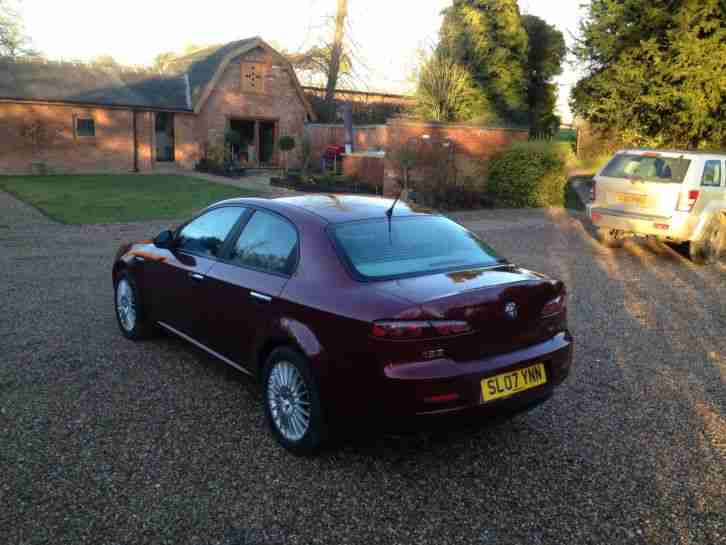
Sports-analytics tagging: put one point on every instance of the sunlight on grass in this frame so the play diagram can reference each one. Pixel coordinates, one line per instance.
(89, 199)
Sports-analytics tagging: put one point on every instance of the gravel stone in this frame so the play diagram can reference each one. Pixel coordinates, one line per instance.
(105, 441)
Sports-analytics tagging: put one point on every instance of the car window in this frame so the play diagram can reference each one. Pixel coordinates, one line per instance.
(711, 173)
(647, 168)
(268, 242)
(206, 234)
(411, 246)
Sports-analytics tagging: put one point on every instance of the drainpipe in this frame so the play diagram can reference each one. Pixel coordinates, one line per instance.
(136, 142)
(348, 124)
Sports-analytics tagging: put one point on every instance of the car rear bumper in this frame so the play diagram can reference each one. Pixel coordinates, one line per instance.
(679, 227)
(425, 392)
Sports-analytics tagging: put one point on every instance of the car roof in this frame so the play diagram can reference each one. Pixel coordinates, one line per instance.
(674, 152)
(337, 208)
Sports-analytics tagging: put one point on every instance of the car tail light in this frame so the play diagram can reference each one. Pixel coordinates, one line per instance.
(555, 306)
(417, 329)
(686, 204)
(593, 192)
(399, 330)
(451, 328)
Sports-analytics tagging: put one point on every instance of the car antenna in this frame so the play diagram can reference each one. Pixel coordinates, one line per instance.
(389, 214)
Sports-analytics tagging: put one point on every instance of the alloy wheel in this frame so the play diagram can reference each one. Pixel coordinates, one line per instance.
(288, 399)
(125, 305)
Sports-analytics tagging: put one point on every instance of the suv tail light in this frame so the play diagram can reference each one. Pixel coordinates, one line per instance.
(417, 329)
(593, 191)
(686, 204)
(555, 306)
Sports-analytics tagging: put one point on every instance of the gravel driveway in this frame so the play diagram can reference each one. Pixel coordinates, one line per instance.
(105, 441)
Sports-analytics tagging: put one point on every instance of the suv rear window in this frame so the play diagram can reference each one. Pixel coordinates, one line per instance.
(647, 168)
(413, 246)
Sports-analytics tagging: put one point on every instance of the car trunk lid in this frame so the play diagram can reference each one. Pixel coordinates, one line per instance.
(502, 306)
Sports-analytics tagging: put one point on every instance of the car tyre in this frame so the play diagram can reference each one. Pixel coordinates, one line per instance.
(610, 237)
(130, 312)
(710, 247)
(292, 402)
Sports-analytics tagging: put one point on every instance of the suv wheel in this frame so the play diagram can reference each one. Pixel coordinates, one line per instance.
(292, 402)
(710, 247)
(610, 237)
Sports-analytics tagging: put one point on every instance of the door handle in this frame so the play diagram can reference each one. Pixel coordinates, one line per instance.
(196, 276)
(260, 296)
(139, 258)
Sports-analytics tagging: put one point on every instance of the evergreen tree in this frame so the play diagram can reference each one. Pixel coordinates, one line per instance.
(656, 71)
(546, 53)
(488, 39)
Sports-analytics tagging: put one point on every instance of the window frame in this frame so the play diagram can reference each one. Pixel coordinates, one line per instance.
(720, 172)
(244, 215)
(227, 253)
(76, 133)
(357, 276)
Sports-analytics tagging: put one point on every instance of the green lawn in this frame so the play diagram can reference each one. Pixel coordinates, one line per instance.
(85, 199)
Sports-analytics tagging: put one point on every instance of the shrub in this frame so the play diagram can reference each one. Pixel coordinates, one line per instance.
(529, 174)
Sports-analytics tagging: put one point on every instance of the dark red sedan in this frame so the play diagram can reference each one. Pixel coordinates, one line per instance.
(350, 308)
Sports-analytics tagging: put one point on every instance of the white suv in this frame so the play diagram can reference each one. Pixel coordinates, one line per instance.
(675, 196)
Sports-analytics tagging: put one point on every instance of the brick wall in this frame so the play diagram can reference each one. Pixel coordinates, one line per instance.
(366, 137)
(279, 102)
(60, 150)
(472, 145)
(187, 149)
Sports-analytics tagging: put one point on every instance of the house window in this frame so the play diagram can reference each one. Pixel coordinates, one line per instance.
(253, 77)
(85, 127)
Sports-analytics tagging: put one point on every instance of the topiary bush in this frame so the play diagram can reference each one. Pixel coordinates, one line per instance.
(529, 174)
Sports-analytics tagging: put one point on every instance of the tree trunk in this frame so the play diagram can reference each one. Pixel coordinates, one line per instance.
(337, 51)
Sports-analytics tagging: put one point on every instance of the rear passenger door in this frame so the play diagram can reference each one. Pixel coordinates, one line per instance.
(243, 288)
(711, 182)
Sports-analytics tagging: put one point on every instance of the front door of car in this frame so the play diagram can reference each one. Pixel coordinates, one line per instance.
(178, 280)
(243, 289)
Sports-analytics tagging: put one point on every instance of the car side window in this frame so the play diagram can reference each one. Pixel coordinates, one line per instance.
(206, 234)
(712, 174)
(269, 243)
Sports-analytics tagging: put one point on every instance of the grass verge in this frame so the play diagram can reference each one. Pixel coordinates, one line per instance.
(107, 198)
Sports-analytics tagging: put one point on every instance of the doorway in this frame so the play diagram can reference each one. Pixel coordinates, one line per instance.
(267, 143)
(164, 133)
(253, 142)
(244, 145)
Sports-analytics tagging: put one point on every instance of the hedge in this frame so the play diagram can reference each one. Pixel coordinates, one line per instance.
(529, 174)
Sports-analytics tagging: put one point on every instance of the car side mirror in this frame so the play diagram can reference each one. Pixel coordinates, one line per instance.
(165, 240)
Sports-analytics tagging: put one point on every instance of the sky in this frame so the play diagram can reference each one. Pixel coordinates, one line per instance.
(387, 33)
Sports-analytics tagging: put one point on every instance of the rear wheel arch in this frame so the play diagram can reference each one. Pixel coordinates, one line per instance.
(718, 213)
(709, 244)
(284, 339)
(118, 268)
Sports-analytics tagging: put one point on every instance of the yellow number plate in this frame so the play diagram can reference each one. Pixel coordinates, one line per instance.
(632, 198)
(511, 383)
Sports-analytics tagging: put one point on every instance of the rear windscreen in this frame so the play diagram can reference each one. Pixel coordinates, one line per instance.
(410, 246)
(647, 168)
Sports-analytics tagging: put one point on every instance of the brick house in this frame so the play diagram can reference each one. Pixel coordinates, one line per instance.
(65, 117)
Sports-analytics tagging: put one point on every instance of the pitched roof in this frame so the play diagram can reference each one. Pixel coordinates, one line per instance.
(91, 84)
(185, 87)
(202, 65)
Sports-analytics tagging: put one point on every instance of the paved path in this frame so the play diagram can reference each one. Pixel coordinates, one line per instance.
(105, 441)
(259, 183)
